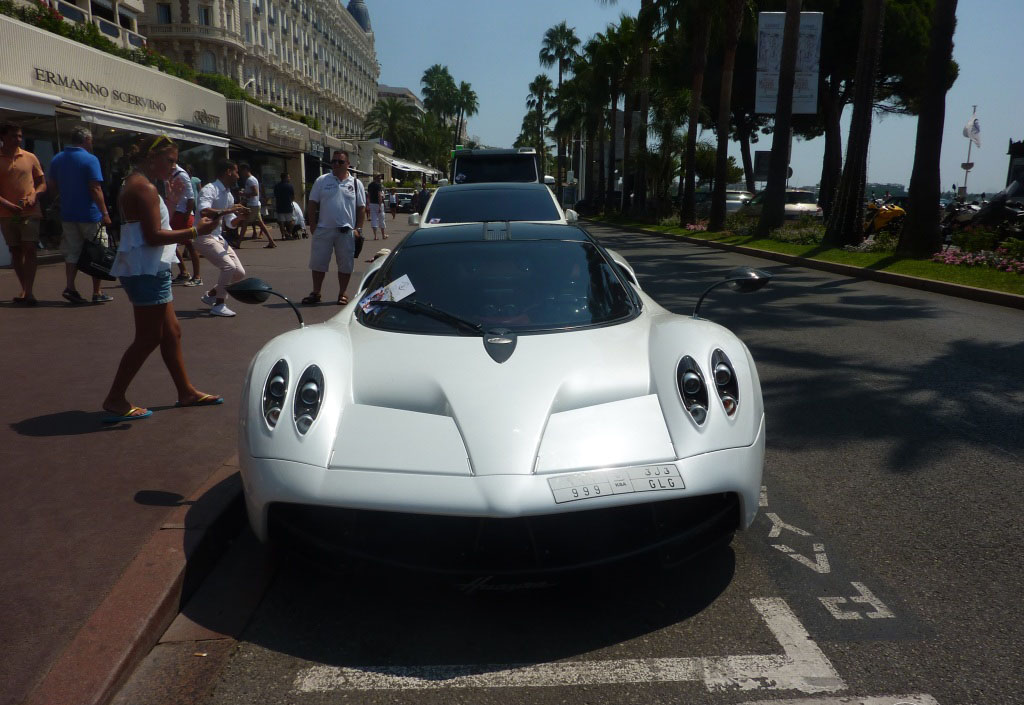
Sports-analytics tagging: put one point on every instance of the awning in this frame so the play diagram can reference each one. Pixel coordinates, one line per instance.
(407, 166)
(151, 127)
(23, 100)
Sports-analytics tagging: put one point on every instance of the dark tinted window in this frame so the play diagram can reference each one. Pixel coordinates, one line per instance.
(520, 168)
(474, 205)
(528, 286)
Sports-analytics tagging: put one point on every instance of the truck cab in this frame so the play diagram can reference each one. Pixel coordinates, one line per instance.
(475, 166)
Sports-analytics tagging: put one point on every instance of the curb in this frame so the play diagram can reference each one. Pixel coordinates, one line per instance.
(988, 296)
(147, 597)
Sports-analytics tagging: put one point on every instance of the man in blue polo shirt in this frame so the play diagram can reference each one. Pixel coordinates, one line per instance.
(76, 174)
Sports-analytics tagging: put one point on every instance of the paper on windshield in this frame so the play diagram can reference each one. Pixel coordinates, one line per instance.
(395, 291)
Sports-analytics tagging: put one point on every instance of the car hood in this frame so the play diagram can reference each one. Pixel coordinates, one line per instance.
(514, 417)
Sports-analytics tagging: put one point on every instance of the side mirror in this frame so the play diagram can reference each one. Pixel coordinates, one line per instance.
(414, 219)
(257, 291)
(743, 279)
(571, 216)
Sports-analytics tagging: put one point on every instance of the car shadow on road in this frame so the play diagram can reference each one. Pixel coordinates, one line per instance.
(415, 621)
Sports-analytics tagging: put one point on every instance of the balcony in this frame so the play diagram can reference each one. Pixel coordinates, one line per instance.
(195, 31)
(126, 38)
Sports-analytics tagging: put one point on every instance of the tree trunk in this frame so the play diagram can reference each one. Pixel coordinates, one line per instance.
(627, 152)
(733, 24)
(773, 210)
(560, 167)
(846, 222)
(609, 200)
(591, 175)
(601, 173)
(832, 164)
(701, 38)
(640, 203)
(743, 137)
(920, 236)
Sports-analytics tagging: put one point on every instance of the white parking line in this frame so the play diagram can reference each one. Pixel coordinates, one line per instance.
(802, 666)
(921, 699)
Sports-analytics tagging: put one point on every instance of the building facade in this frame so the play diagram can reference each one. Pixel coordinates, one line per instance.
(313, 57)
(400, 93)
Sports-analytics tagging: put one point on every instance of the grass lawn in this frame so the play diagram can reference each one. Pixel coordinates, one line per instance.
(981, 277)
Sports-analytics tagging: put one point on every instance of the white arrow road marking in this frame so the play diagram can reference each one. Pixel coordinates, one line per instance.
(820, 563)
(762, 501)
(802, 666)
(921, 699)
(778, 525)
(866, 597)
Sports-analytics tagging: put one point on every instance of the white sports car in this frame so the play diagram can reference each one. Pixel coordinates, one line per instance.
(502, 398)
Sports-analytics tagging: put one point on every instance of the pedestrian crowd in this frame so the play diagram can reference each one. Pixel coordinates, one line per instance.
(160, 217)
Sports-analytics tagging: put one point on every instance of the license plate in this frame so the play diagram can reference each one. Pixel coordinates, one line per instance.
(602, 483)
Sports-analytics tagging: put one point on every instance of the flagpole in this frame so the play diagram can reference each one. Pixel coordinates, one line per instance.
(970, 143)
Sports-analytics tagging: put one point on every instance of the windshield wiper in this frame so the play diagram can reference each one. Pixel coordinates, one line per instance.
(434, 312)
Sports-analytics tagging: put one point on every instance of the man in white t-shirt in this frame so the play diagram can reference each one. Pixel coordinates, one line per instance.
(251, 198)
(215, 200)
(182, 216)
(336, 211)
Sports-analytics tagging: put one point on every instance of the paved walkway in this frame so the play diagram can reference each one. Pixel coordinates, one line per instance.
(80, 497)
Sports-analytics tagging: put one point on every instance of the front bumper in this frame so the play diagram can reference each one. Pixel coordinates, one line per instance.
(266, 481)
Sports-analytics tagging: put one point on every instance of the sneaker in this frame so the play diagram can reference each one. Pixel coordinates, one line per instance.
(101, 298)
(197, 281)
(222, 310)
(72, 296)
(208, 300)
(180, 279)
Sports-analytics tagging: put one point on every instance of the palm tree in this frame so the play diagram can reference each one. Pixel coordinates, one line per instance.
(468, 106)
(845, 225)
(439, 91)
(700, 38)
(920, 236)
(538, 102)
(559, 47)
(734, 10)
(392, 119)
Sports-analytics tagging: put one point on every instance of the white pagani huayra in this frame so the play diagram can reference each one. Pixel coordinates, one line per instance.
(502, 399)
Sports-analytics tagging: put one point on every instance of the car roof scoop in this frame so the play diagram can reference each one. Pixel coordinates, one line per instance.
(499, 343)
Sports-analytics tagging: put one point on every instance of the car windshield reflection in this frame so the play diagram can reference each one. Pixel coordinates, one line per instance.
(525, 286)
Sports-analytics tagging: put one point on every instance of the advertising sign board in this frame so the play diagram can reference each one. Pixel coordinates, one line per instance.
(769, 54)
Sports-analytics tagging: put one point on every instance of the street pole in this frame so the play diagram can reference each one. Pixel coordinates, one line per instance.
(970, 143)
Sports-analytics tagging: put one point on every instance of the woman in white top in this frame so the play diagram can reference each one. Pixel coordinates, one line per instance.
(143, 264)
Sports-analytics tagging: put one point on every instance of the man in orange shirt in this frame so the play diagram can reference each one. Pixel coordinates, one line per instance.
(21, 182)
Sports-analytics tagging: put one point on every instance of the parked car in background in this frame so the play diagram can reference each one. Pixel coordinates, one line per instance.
(799, 204)
(404, 202)
(493, 202)
(734, 200)
(476, 166)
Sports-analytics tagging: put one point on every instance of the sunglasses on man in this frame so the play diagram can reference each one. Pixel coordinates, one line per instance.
(338, 161)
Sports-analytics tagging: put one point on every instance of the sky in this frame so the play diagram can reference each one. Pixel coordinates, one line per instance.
(493, 45)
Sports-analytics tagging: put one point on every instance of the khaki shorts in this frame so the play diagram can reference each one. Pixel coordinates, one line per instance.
(19, 230)
(332, 240)
(255, 215)
(72, 237)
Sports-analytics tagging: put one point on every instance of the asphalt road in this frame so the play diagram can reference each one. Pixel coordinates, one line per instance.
(80, 497)
(884, 562)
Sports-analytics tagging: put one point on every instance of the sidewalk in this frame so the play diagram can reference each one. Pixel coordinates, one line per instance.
(82, 498)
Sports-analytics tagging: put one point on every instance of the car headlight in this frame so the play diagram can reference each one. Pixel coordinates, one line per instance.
(309, 398)
(725, 382)
(692, 390)
(274, 392)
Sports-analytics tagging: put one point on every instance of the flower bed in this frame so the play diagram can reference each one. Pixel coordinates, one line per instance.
(1000, 259)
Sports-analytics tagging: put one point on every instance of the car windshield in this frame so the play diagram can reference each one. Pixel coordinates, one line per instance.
(800, 197)
(528, 286)
(457, 205)
(510, 167)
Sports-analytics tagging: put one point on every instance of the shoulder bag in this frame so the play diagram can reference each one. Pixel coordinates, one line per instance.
(96, 258)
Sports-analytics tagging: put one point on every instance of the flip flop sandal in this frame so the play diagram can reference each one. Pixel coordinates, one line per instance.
(130, 416)
(205, 400)
(311, 299)
(342, 300)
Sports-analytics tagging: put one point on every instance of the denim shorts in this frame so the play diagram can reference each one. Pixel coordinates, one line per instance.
(148, 289)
